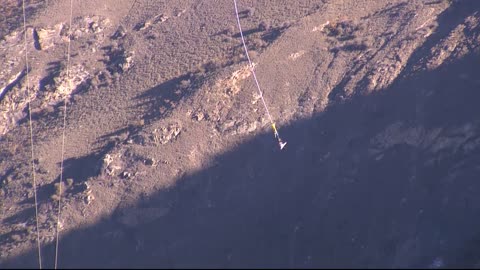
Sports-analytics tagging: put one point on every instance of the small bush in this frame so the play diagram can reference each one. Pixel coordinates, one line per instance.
(184, 84)
(59, 188)
(264, 26)
(69, 182)
(250, 11)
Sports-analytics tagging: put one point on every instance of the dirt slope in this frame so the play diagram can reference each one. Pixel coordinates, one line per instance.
(169, 152)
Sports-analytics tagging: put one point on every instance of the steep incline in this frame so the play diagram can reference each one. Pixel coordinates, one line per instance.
(171, 155)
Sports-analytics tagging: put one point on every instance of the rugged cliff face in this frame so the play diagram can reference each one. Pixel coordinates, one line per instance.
(170, 161)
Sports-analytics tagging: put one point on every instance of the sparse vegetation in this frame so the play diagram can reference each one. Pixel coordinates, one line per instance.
(171, 152)
(60, 189)
(184, 84)
(16, 237)
(343, 30)
(264, 26)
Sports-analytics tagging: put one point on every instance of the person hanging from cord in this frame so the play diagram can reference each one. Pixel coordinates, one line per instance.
(277, 136)
(281, 143)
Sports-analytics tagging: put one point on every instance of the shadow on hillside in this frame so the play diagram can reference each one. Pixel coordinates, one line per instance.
(330, 199)
(325, 201)
(160, 100)
(78, 169)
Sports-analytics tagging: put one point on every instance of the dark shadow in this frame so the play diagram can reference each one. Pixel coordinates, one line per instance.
(53, 70)
(332, 198)
(343, 31)
(469, 254)
(44, 194)
(5, 175)
(81, 169)
(433, 2)
(119, 33)
(13, 235)
(78, 169)
(271, 34)
(161, 99)
(151, 37)
(123, 135)
(245, 13)
(139, 26)
(22, 216)
(36, 40)
(117, 133)
(13, 83)
(248, 32)
(114, 59)
(350, 47)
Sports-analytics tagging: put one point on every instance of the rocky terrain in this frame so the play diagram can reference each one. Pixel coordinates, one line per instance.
(169, 157)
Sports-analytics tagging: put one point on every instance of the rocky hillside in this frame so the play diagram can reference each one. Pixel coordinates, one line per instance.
(170, 160)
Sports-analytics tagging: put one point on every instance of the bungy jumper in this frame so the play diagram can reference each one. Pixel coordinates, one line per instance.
(281, 143)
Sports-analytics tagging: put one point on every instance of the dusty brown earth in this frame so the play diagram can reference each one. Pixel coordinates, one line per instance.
(169, 157)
